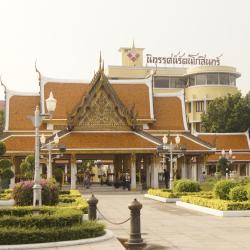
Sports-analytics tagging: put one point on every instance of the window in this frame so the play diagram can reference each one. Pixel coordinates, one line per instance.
(199, 106)
(189, 107)
(168, 82)
(224, 78)
(191, 81)
(232, 80)
(161, 82)
(201, 79)
(212, 78)
(198, 126)
(177, 82)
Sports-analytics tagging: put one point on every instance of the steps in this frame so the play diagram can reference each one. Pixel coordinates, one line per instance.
(104, 189)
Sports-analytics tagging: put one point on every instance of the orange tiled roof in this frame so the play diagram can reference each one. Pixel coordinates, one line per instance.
(135, 94)
(68, 95)
(2, 103)
(236, 157)
(20, 107)
(16, 143)
(168, 114)
(232, 141)
(190, 143)
(104, 140)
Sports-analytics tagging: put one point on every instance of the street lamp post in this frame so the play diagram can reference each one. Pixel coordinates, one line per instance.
(170, 148)
(37, 120)
(229, 157)
(50, 146)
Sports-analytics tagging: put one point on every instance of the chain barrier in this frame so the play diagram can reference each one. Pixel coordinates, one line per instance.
(114, 223)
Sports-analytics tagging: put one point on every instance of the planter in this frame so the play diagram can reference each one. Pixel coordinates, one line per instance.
(161, 199)
(212, 211)
(7, 202)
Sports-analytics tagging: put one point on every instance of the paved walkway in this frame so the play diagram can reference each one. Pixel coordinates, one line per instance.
(171, 227)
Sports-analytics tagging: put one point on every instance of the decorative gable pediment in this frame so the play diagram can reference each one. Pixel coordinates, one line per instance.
(101, 109)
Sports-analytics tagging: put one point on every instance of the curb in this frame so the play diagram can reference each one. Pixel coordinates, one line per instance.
(212, 211)
(161, 199)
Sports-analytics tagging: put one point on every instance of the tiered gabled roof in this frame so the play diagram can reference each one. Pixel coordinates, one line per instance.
(234, 141)
(19, 106)
(115, 141)
(133, 93)
(101, 109)
(19, 144)
(237, 142)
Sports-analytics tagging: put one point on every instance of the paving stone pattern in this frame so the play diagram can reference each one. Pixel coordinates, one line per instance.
(166, 226)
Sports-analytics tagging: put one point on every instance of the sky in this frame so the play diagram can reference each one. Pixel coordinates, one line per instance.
(66, 36)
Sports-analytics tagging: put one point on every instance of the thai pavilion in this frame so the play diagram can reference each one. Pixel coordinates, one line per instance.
(120, 122)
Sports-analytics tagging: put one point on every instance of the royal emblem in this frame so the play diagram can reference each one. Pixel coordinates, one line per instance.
(132, 55)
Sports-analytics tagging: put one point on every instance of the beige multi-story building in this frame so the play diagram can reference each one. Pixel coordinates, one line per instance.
(200, 84)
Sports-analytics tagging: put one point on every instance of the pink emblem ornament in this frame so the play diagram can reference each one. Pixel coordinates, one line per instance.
(133, 56)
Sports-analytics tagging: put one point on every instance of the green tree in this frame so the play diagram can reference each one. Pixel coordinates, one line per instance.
(227, 114)
(223, 165)
(28, 166)
(5, 168)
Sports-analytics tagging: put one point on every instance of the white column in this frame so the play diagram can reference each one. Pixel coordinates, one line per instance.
(73, 173)
(49, 166)
(248, 169)
(154, 175)
(194, 171)
(12, 180)
(183, 169)
(148, 171)
(133, 172)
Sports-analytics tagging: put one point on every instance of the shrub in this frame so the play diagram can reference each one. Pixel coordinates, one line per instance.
(238, 193)
(248, 191)
(18, 235)
(222, 189)
(186, 186)
(2, 148)
(23, 193)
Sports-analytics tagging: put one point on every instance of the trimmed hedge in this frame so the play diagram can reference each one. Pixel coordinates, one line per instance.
(186, 185)
(223, 205)
(168, 194)
(223, 187)
(16, 235)
(22, 211)
(73, 200)
(57, 218)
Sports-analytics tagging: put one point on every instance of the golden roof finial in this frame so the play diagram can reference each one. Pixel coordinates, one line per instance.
(100, 61)
(102, 65)
(37, 70)
(1, 81)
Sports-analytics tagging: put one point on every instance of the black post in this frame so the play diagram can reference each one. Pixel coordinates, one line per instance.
(92, 201)
(135, 224)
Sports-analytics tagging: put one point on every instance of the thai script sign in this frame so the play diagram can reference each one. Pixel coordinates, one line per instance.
(190, 59)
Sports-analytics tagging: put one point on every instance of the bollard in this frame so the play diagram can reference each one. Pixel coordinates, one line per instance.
(135, 224)
(92, 201)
